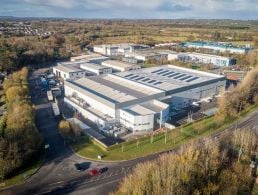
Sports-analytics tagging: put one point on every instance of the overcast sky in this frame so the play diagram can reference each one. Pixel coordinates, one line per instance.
(135, 9)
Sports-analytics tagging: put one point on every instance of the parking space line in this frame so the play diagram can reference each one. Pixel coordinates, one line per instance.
(52, 184)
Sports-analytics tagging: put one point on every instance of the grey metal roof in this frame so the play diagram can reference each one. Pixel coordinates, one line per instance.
(93, 66)
(169, 77)
(111, 88)
(68, 68)
(119, 64)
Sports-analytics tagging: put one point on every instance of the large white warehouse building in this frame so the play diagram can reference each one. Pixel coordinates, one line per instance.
(118, 49)
(202, 58)
(222, 47)
(68, 72)
(136, 98)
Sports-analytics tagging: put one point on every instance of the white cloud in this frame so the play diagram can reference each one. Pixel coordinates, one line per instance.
(56, 3)
(142, 8)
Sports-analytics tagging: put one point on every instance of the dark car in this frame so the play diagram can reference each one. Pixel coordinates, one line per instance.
(103, 169)
(78, 167)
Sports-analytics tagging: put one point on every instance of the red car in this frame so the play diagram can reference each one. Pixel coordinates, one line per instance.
(94, 172)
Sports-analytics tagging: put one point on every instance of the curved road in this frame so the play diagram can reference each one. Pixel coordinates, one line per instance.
(58, 174)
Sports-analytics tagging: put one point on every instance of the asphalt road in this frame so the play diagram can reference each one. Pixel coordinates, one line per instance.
(58, 174)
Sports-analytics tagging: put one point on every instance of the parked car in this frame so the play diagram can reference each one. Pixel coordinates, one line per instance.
(94, 172)
(78, 167)
(103, 169)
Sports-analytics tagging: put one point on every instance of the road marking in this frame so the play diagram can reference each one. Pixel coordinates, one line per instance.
(43, 192)
(52, 184)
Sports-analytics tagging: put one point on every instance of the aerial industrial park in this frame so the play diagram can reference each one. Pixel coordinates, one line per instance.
(112, 92)
(128, 97)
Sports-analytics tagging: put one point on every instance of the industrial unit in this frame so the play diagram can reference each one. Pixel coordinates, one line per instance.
(91, 58)
(132, 60)
(95, 69)
(120, 66)
(202, 58)
(145, 55)
(140, 99)
(222, 47)
(68, 72)
(118, 49)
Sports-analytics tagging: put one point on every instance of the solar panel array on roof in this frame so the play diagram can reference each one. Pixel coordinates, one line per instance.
(157, 70)
(168, 73)
(128, 75)
(147, 79)
(192, 79)
(177, 77)
(134, 77)
(157, 83)
(184, 78)
(173, 75)
(139, 78)
(162, 72)
(152, 81)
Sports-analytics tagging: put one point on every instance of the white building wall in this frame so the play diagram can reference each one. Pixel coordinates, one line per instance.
(140, 57)
(91, 101)
(173, 56)
(76, 75)
(137, 122)
(97, 71)
(99, 49)
(112, 51)
(215, 60)
(106, 71)
(65, 75)
(98, 121)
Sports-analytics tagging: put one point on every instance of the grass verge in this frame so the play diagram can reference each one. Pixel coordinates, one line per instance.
(86, 147)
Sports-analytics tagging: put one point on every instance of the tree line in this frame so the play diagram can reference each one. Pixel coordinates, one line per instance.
(18, 52)
(239, 98)
(198, 168)
(19, 138)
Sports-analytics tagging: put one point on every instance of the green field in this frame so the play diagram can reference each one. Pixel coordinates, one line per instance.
(147, 145)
